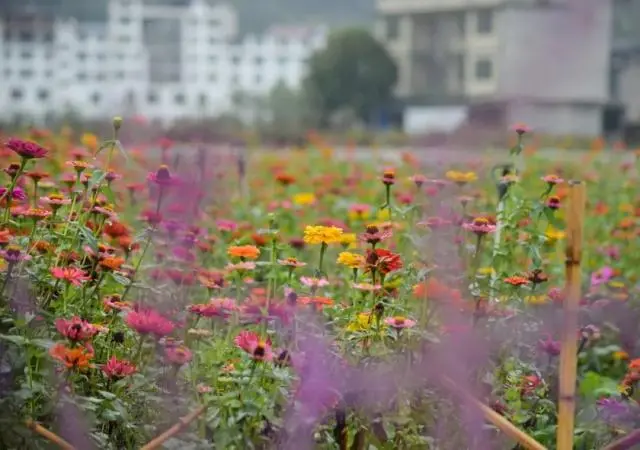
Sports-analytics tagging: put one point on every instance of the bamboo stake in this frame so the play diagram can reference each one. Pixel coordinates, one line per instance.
(177, 428)
(496, 419)
(569, 349)
(42, 431)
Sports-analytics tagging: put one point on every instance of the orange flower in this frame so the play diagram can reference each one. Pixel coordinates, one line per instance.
(435, 290)
(285, 179)
(318, 302)
(112, 262)
(516, 280)
(73, 358)
(244, 251)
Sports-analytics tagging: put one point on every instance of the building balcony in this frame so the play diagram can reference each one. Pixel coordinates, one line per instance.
(428, 6)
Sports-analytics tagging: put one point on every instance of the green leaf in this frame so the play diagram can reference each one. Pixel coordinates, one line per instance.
(594, 386)
(106, 144)
(88, 237)
(18, 340)
(124, 281)
(122, 150)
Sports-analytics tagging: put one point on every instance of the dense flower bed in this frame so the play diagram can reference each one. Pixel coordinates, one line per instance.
(311, 299)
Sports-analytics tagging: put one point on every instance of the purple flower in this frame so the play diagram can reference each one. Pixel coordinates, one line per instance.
(26, 149)
(14, 255)
(17, 193)
(612, 409)
(601, 276)
(549, 346)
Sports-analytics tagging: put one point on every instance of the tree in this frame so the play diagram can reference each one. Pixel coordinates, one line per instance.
(354, 71)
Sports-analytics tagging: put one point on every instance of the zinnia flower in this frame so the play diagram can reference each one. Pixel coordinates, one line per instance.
(116, 369)
(13, 254)
(304, 199)
(516, 280)
(149, 321)
(76, 329)
(461, 178)
(78, 358)
(26, 149)
(373, 235)
(17, 193)
(322, 235)
(399, 322)
(351, 260)
(178, 354)
(291, 262)
(217, 307)
(552, 180)
(383, 261)
(480, 226)
(244, 251)
(602, 276)
(314, 282)
(72, 275)
(259, 350)
(162, 177)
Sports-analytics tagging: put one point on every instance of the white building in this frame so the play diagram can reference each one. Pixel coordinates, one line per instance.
(162, 59)
(542, 62)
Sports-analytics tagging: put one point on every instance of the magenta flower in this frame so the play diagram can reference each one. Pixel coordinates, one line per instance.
(117, 369)
(149, 321)
(76, 329)
(521, 128)
(26, 149)
(72, 275)
(226, 225)
(16, 194)
(178, 354)
(13, 254)
(549, 346)
(601, 276)
(259, 350)
(480, 226)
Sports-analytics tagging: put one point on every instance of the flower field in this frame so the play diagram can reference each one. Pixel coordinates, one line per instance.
(197, 298)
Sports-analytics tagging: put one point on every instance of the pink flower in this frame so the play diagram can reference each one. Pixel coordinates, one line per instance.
(399, 322)
(72, 275)
(480, 226)
(549, 346)
(149, 321)
(521, 128)
(13, 254)
(552, 179)
(26, 149)
(217, 307)
(601, 276)
(76, 329)
(314, 282)
(178, 354)
(162, 177)
(226, 225)
(258, 349)
(118, 368)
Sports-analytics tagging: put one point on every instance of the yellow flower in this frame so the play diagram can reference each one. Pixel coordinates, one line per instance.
(461, 177)
(620, 355)
(626, 208)
(393, 284)
(486, 271)
(363, 322)
(554, 235)
(358, 215)
(383, 214)
(322, 235)
(90, 141)
(536, 299)
(304, 199)
(351, 260)
(616, 284)
(348, 239)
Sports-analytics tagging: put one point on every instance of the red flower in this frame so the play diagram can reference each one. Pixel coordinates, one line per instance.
(73, 275)
(76, 329)
(383, 261)
(26, 149)
(149, 321)
(118, 368)
(258, 349)
(516, 280)
(217, 307)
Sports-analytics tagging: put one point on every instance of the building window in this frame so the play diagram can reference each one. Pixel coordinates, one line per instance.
(152, 98)
(179, 99)
(484, 69)
(392, 25)
(259, 60)
(43, 94)
(485, 21)
(26, 54)
(16, 94)
(82, 56)
(26, 73)
(95, 98)
(213, 78)
(236, 60)
(82, 76)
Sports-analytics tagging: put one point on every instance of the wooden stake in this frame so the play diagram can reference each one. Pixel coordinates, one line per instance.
(569, 349)
(498, 420)
(42, 431)
(177, 428)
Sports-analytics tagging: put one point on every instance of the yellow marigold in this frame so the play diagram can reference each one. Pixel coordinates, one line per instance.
(348, 239)
(322, 235)
(486, 271)
(244, 251)
(304, 199)
(461, 177)
(351, 260)
(363, 322)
